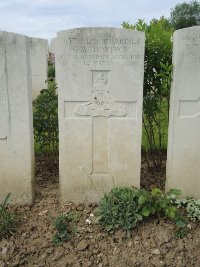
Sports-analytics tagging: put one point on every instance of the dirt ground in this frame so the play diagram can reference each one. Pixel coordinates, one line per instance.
(151, 244)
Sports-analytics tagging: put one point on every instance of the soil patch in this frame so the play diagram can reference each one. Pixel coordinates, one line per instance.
(151, 244)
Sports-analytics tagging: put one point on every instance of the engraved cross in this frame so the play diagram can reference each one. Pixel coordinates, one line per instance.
(100, 108)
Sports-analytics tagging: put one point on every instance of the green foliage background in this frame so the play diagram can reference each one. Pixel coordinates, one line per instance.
(185, 14)
(157, 82)
(45, 122)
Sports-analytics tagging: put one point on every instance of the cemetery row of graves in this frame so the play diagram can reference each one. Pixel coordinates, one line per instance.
(98, 113)
(100, 108)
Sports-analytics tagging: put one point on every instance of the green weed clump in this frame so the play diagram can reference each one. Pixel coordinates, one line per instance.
(120, 208)
(7, 219)
(192, 207)
(125, 208)
(65, 225)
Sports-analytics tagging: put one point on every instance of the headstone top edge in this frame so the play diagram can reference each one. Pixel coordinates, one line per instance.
(91, 29)
(19, 35)
(188, 29)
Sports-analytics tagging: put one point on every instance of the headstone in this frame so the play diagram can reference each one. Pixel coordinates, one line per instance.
(100, 85)
(184, 126)
(16, 126)
(52, 47)
(39, 64)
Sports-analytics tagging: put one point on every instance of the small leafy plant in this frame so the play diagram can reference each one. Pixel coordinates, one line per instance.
(158, 203)
(125, 207)
(65, 225)
(119, 208)
(163, 205)
(7, 219)
(192, 208)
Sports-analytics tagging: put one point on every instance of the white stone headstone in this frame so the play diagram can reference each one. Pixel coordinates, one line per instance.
(16, 126)
(183, 159)
(39, 64)
(99, 72)
(52, 46)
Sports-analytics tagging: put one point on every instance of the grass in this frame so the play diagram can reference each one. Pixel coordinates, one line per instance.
(7, 219)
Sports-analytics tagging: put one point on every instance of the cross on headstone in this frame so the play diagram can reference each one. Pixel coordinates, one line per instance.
(100, 108)
(189, 108)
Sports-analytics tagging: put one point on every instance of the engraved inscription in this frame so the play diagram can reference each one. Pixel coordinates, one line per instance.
(189, 108)
(103, 41)
(105, 59)
(101, 103)
(192, 45)
(104, 51)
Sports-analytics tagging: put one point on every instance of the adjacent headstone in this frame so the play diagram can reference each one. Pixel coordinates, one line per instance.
(39, 64)
(184, 126)
(16, 126)
(52, 47)
(100, 84)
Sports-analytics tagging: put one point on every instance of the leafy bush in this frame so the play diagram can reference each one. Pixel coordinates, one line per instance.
(158, 203)
(51, 71)
(164, 205)
(157, 83)
(125, 207)
(45, 121)
(66, 226)
(7, 219)
(120, 208)
(192, 208)
(186, 14)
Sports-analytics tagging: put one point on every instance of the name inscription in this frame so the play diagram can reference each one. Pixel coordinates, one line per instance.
(192, 45)
(104, 51)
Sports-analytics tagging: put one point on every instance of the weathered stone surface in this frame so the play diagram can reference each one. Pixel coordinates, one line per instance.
(39, 64)
(52, 46)
(99, 72)
(184, 126)
(16, 127)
